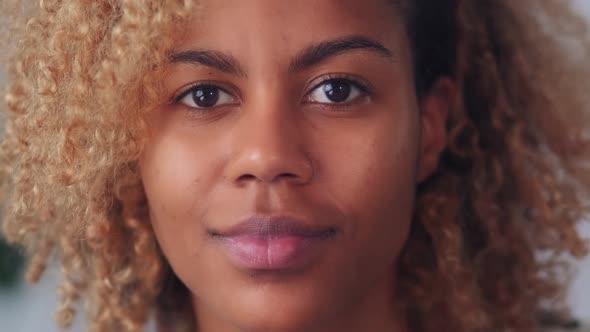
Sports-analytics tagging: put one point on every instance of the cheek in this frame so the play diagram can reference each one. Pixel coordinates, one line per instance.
(173, 172)
(372, 179)
(364, 180)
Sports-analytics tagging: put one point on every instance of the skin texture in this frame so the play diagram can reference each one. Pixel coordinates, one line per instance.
(513, 179)
(272, 149)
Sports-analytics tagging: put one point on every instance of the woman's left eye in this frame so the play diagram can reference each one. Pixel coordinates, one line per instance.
(205, 96)
(335, 91)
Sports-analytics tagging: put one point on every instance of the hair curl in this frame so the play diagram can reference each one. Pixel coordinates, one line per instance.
(493, 228)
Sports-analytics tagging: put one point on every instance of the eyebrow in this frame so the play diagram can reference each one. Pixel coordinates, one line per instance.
(308, 57)
(318, 53)
(214, 59)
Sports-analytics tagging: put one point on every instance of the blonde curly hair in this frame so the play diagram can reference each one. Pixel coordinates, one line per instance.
(493, 227)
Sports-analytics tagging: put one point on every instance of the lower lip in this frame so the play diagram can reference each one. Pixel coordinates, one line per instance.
(278, 253)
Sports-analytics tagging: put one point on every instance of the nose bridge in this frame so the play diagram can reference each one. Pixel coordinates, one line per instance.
(268, 145)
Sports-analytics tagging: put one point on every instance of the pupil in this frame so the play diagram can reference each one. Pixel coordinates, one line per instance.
(337, 91)
(206, 96)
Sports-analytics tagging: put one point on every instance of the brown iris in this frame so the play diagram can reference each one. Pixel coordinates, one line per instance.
(337, 91)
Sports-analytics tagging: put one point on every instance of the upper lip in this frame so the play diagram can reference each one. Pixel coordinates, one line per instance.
(269, 226)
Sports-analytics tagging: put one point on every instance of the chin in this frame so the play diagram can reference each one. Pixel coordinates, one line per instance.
(278, 310)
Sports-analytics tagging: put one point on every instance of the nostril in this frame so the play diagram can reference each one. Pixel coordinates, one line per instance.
(269, 170)
(248, 177)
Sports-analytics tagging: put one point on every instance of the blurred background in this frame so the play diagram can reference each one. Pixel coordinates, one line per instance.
(25, 309)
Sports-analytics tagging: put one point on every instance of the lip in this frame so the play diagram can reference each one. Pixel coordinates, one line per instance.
(279, 242)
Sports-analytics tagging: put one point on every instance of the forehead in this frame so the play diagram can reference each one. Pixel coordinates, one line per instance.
(255, 27)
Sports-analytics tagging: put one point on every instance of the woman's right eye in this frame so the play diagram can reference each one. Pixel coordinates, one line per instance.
(205, 96)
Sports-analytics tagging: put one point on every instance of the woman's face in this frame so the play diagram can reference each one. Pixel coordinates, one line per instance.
(281, 168)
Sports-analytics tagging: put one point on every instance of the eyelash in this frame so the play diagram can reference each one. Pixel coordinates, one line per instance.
(355, 82)
(196, 86)
(359, 83)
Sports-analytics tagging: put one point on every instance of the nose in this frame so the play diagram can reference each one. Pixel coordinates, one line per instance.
(268, 147)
